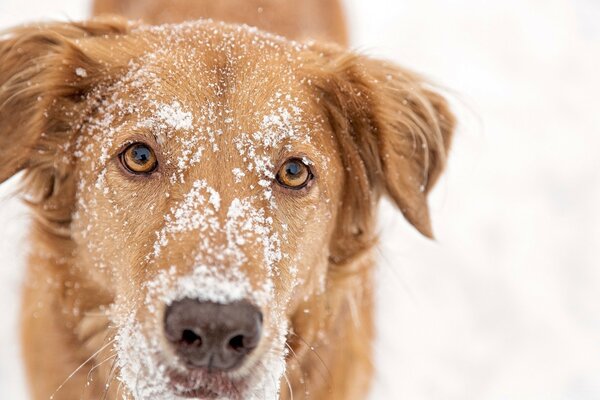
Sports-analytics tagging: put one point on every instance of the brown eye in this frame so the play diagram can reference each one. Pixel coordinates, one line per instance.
(139, 158)
(294, 174)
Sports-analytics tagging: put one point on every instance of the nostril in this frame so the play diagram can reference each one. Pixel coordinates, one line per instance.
(190, 337)
(237, 343)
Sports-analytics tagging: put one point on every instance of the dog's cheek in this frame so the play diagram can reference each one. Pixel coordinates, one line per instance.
(97, 235)
(309, 263)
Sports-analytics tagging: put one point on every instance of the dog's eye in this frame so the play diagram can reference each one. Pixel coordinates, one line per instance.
(294, 174)
(139, 158)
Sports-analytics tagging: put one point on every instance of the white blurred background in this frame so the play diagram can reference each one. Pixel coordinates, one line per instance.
(506, 303)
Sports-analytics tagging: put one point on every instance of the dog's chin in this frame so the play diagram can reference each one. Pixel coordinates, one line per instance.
(199, 383)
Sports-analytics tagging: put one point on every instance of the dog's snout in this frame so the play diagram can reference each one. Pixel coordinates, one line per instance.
(211, 335)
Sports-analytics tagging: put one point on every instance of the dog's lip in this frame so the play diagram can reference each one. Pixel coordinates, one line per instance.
(199, 383)
(199, 393)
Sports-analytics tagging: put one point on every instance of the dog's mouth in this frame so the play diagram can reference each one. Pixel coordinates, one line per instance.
(200, 383)
(150, 370)
(201, 348)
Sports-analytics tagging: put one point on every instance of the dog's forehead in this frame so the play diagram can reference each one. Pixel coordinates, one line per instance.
(211, 59)
(228, 78)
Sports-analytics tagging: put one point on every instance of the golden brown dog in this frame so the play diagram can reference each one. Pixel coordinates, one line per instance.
(204, 198)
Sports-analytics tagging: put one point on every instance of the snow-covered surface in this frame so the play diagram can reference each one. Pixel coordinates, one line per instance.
(506, 303)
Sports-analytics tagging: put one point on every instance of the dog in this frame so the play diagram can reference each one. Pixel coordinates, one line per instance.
(203, 197)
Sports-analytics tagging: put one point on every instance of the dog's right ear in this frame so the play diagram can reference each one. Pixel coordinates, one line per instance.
(393, 130)
(45, 73)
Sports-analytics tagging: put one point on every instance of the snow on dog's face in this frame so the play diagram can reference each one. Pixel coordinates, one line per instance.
(207, 178)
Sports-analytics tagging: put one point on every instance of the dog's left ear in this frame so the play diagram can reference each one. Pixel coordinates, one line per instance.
(394, 130)
(45, 73)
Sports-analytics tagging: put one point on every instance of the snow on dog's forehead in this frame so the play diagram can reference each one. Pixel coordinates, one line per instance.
(200, 84)
(217, 36)
(217, 54)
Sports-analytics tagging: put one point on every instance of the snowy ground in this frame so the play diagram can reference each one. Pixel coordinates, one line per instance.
(506, 303)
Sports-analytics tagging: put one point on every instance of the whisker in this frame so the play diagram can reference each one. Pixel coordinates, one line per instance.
(99, 365)
(119, 388)
(79, 368)
(89, 375)
(302, 372)
(111, 376)
(313, 350)
(289, 386)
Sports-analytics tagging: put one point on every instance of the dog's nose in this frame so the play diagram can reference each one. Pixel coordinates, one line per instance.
(211, 335)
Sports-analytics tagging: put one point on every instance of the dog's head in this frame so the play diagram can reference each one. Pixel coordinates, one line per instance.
(207, 180)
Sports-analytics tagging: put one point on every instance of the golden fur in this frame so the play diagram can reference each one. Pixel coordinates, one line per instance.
(375, 129)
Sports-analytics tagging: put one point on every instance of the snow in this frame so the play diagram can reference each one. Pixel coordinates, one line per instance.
(171, 116)
(238, 174)
(81, 72)
(506, 303)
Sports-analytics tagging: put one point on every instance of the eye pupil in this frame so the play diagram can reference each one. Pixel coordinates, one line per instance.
(141, 154)
(293, 169)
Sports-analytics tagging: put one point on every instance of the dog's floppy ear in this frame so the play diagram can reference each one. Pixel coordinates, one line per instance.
(45, 74)
(393, 129)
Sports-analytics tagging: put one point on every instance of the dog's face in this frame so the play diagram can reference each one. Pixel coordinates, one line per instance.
(214, 177)
(207, 175)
